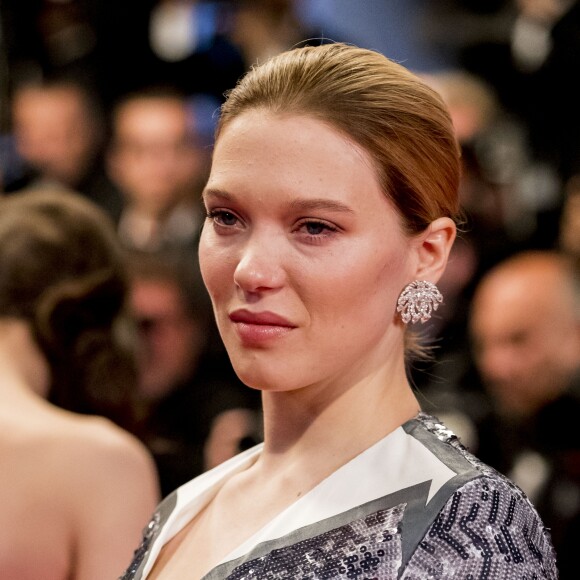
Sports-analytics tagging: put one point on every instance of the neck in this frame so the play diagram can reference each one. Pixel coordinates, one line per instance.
(22, 364)
(324, 426)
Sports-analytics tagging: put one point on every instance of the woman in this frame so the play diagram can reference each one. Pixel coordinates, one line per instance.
(330, 207)
(67, 479)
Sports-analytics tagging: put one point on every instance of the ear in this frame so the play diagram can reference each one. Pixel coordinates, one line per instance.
(433, 247)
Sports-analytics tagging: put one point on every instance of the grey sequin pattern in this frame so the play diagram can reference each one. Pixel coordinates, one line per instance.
(437, 428)
(143, 549)
(445, 434)
(484, 532)
(487, 530)
(365, 549)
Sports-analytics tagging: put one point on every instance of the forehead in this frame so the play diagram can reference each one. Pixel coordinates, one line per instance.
(290, 132)
(51, 104)
(151, 114)
(292, 155)
(515, 302)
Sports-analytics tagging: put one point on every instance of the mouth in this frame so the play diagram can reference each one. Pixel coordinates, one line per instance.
(256, 328)
(259, 318)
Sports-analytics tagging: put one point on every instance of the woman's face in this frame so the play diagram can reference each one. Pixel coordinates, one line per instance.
(303, 255)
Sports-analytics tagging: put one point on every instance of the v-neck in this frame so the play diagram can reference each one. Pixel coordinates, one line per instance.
(354, 483)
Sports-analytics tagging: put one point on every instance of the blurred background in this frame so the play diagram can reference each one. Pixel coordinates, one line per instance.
(117, 101)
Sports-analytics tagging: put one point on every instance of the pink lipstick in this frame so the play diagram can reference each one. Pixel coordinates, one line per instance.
(258, 328)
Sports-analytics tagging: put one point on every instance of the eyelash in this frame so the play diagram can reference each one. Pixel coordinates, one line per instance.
(215, 215)
(327, 229)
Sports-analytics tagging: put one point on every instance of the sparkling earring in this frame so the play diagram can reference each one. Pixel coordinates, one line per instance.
(418, 300)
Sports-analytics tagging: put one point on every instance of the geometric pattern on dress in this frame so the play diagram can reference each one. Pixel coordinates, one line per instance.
(485, 531)
(364, 549)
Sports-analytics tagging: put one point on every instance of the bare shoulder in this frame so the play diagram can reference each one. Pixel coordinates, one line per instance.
(81, 481)
(105, 439)
(74, 451)
(98, 447)
(71, 447)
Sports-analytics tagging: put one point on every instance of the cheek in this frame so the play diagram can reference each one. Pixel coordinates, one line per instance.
(217, 266)
(364, 289)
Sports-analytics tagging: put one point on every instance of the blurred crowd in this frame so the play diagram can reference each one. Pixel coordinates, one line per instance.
(116, 102)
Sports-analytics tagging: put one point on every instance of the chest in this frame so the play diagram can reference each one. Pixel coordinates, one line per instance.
(370, 546)
(211, 535)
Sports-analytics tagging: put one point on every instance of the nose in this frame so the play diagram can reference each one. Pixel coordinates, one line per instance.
(260, 267)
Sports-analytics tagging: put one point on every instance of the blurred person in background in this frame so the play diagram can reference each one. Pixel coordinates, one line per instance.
(181, 43)
(544, 42)
(67, 479)
(526, 50)
(509, 196)
(59, 133)
(506, 204)
(158, 158)
(525, 329)
(120, 46)
(264, 28)
(185, 379)
(232, 431)
(569, 235)
(493, 159)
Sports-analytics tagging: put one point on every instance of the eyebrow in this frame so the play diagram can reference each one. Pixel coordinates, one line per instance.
(318, 204)
(215, 193)
(296, 204)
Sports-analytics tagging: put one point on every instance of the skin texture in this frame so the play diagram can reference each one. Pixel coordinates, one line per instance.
(299, 228)
(277, 265)
(70, 480)
(77, 489)
(525, 333)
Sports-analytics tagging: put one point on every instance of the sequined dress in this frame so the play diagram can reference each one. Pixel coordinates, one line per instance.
(416, 505)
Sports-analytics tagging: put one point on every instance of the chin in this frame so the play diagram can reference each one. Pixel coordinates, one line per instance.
(255, 376)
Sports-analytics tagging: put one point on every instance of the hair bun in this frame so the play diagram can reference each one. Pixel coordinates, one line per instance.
(73, 307)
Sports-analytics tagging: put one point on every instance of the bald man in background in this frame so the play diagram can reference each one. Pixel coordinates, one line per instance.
(525, 332)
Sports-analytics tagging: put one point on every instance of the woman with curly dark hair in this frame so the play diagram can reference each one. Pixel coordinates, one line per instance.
(68, 478)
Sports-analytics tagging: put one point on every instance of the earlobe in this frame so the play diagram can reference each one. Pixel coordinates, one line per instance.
(433, 249)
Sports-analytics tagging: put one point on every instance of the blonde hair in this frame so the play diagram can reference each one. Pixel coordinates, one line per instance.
(401, 122)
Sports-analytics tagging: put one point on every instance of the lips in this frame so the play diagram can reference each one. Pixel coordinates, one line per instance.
(258, 329)
(259, 318)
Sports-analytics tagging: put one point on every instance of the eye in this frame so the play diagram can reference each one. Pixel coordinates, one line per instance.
(221, 217)
(315, 229)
